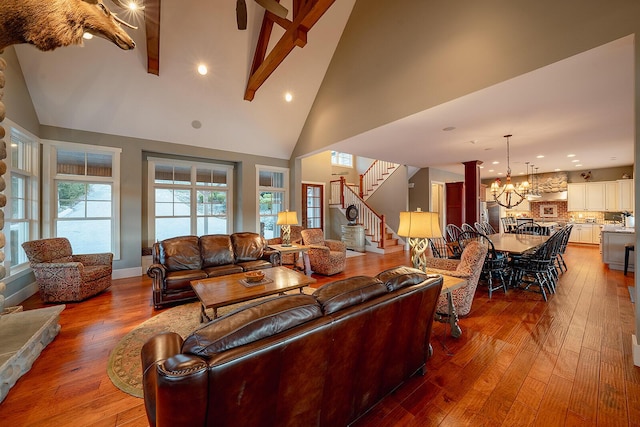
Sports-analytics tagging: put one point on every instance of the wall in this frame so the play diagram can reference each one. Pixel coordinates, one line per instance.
(16, 95)
(420, 194)
(392, 197)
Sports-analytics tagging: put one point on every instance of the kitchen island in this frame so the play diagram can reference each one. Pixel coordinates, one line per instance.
(613, 240)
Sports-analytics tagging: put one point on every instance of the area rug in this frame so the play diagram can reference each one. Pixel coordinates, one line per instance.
(125, 367)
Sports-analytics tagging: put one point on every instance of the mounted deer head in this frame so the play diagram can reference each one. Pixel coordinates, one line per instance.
(49, 24)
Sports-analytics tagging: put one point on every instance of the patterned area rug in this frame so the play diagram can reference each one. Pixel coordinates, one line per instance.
(125, 367)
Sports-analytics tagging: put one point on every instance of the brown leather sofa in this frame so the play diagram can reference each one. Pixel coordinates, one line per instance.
(179, 260)
(295, 360)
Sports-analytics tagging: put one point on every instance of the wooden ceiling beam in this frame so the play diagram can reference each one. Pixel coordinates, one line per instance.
(306, 14)
(152, 27)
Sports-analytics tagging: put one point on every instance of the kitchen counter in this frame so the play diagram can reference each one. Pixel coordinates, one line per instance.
(614, 238)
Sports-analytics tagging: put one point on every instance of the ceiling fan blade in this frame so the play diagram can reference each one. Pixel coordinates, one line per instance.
(274, 7)
(241, 14)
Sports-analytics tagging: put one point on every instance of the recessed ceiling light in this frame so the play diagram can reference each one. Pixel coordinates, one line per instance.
(575, 161)
(449, 128)
(196, 124)
(557, 169)
(495, 163)
(481, 167)
(202, 69)
(491, 170)
(578, 165)
(87, 36)
(540, 156)
(571, 155)
(288, 97)
(499, 173)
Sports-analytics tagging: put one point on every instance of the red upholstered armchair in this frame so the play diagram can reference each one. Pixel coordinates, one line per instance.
(325, 256)
(64, 277)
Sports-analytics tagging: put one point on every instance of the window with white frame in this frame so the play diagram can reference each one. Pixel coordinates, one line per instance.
(273, 194)
(85, 194)
(21, 211)
(189, 199)
(341, 159)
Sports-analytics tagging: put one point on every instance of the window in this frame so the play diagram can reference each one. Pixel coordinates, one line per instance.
(273, 192)
(189, 199)
(341, 159)
(85, 195)
(21, 211)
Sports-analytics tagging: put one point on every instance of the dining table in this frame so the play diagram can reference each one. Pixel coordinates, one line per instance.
(516, 244)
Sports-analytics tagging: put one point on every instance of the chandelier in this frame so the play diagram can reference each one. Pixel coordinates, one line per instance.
(534, 193)
(509, 195)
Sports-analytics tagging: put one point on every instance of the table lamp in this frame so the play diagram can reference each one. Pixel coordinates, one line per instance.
(286, 219)
(419, 227)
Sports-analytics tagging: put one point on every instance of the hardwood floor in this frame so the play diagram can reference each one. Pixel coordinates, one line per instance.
(520, 361)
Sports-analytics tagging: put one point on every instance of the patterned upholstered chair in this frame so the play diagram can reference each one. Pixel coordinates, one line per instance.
(469, 267)
(326, 257)
(64, 277)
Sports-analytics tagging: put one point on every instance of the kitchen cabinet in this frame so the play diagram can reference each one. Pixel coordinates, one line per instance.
(589, 196)
(584, 233)
(626, 198)
(611, 196)
(576, 197)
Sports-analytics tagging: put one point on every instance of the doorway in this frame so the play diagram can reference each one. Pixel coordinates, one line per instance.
(438, 202)
(312, 206)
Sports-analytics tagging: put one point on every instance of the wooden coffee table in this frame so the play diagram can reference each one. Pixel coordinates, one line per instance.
(216, 292)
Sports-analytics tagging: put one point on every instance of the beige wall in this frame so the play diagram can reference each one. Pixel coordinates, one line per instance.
(398, 58)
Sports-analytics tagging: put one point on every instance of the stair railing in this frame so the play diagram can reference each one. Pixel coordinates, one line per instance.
(344, 195)
(377, 173)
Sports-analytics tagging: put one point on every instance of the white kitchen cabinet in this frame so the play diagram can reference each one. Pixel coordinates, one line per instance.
(576, 197)
(584, 233)
(595, 196)
(611, 196)
(592, 196)
(626, 197)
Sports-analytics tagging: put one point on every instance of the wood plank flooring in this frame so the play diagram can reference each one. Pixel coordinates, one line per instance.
(519, 362)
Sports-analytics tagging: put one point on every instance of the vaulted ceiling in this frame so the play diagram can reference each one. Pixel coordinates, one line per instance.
(585, 101)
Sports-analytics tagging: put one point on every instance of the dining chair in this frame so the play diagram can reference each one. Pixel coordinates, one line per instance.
(529, 227)
(496, 263)
(452, 232)
(468, 227)
(509, 224)
(439, 248)
(536, 272)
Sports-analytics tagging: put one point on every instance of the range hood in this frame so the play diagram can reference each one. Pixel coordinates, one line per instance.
(550, 197)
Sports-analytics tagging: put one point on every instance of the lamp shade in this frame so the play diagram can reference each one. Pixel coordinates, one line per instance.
(287, 218)
(419, 224)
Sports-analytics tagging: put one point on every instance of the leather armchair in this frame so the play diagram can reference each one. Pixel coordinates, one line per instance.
(64, 277)
(469, 267)
(326, 257)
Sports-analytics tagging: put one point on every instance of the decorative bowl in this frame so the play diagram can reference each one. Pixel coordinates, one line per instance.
(254, 276)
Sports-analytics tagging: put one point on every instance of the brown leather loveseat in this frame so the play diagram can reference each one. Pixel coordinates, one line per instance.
(179, 260)
(295, 360)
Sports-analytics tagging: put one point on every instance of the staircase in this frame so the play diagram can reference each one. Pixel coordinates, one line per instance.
(380, 237)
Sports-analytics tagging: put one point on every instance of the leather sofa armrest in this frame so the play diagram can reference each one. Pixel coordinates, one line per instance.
(273, 256)
(335, 245)
(157, 272)
(154, 353)
(182, 391)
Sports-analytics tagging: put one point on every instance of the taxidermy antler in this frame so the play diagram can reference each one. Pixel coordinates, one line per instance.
(49, 24)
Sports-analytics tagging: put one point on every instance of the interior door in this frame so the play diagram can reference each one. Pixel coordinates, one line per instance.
(312, 206)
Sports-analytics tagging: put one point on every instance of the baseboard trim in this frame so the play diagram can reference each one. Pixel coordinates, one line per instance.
(123, 273)
(21, 295)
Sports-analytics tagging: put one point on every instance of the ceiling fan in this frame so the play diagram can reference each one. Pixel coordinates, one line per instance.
(270, 5)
